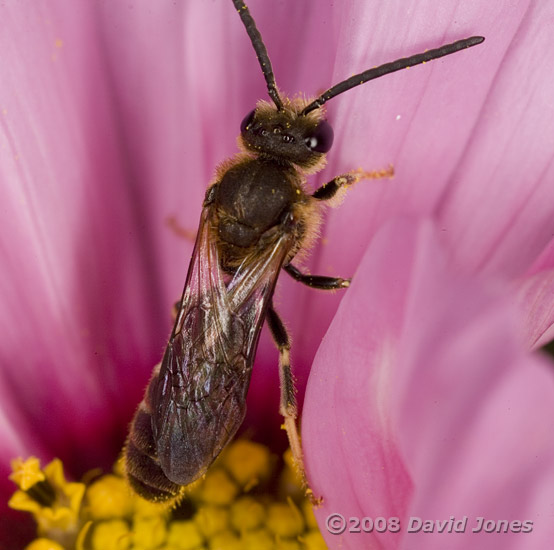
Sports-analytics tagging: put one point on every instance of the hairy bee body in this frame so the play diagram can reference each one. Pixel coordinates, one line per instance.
(257, 216)
(251, 200)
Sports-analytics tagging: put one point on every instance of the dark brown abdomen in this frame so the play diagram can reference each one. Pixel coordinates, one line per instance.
(141, 457)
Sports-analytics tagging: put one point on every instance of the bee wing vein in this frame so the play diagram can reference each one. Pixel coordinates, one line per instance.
(200, 399)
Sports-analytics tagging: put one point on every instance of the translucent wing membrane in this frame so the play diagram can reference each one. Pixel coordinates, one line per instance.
(198, 402)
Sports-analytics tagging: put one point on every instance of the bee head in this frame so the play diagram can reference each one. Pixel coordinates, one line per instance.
(287, 134)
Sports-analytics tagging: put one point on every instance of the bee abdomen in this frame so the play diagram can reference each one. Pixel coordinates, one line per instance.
(142, 466)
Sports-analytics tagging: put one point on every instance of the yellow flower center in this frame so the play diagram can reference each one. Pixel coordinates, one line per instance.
(242, 503)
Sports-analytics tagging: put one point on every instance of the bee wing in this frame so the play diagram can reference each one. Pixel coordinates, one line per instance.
(198, 402)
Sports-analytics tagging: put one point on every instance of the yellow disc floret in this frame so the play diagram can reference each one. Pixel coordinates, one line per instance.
(44, 544)
(285, 519)
(26, 473)
(185, 535)
(247, 514)
(249, 463)
(109, 497)
(111, 535)
(54, 502)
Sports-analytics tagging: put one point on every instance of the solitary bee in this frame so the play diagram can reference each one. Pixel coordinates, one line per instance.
(256, 217)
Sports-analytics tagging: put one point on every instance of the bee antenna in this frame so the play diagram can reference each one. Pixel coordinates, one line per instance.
(261, 51)
(391, 67)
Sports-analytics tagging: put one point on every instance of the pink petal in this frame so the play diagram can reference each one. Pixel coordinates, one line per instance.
(535, 297)
(498, 211)
(422, 403)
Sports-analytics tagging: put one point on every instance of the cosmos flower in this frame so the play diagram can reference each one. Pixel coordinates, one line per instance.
(113, 119)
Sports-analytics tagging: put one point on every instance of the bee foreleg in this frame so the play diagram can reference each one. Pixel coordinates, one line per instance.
(329, 190)
(317, 281)
(288, 407)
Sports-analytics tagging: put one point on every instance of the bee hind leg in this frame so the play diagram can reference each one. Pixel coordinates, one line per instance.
(288, 407)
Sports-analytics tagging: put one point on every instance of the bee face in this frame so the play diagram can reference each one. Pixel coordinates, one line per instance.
(287, 135)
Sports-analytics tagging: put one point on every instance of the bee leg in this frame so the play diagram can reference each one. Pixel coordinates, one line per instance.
(288, 407)
(190, 234)
(316, 281)
(179, 230)
(329, 190)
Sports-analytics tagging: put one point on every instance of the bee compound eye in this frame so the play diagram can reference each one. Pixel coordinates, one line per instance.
(247, 121)
(321, 140)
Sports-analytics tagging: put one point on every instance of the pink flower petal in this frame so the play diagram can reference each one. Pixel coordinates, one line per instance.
(535, 296)
(70, 307)
(498, 211)
(422, 403)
